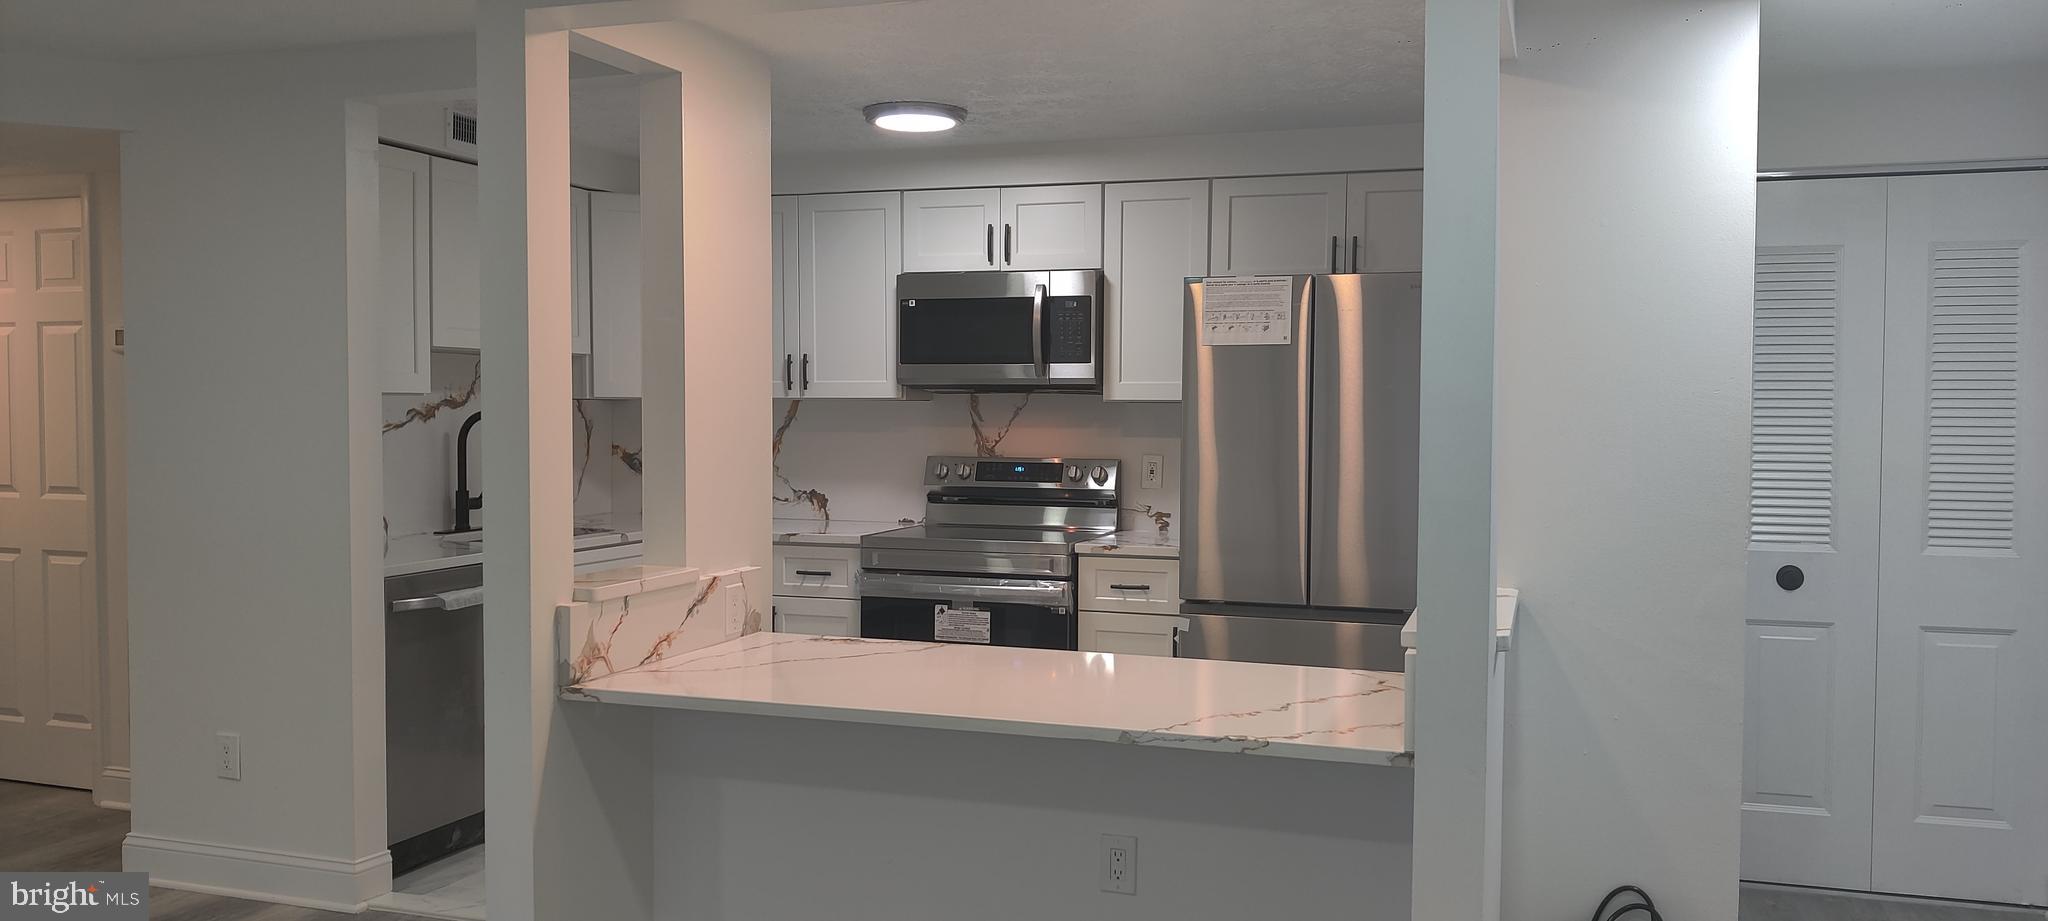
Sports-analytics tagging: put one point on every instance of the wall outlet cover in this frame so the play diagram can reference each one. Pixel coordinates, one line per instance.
(1120, 864)
(1153, 470)
(227, 747)
(735, 609)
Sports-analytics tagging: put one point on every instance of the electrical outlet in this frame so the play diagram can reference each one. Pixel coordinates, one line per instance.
(1154, 469)
(1120, 864)
(227, 754)
(735, 610)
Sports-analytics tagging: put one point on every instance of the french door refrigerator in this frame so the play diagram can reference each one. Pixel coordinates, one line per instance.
(1298, 511)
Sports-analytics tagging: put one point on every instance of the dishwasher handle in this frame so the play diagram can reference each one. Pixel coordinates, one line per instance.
(425, 603)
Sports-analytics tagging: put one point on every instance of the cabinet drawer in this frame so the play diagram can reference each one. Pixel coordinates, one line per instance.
(816, 572)
(1139, 585)
(1129, 634)
(817, 616)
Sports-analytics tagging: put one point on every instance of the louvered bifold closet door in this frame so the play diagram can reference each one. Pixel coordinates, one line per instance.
(1961, 801)
(1815, 414)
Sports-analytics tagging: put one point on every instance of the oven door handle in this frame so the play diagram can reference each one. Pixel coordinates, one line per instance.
(1038, 332)
(966, 588)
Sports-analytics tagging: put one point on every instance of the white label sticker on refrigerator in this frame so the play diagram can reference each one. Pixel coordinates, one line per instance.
(1247, 311)
(959, 625)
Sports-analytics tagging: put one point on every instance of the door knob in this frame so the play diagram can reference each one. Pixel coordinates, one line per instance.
(1790, 578)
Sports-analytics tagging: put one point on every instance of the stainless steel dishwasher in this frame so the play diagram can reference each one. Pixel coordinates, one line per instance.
(433, 717)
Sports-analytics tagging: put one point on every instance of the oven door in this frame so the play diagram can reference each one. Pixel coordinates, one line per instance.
(968, 609)
(971, 330)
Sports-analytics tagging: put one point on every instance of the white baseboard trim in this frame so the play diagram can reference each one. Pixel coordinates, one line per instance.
(111, 790)
(264, 875)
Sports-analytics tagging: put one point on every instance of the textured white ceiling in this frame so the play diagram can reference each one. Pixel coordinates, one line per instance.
(135, 29)
(1838, 36)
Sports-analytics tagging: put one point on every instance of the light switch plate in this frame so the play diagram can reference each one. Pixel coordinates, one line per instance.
(1154, 470)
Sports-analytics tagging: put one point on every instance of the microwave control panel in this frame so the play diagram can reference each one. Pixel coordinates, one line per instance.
(1073, 332)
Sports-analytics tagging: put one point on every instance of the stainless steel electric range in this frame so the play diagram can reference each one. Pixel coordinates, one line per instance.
(993, 562)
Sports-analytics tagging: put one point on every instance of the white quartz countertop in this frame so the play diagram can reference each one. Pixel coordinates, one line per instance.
(835, 532)
(1287, 711)
(1132, 542)
(417, 553)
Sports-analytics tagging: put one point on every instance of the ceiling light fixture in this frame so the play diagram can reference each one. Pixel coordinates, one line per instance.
(919, 117)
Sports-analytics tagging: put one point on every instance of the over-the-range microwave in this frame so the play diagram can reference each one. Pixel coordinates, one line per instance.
(999, 331)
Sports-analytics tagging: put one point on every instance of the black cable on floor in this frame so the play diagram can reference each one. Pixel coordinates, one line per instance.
(1645, 906)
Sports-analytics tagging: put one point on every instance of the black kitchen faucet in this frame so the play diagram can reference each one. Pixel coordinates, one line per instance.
(463, 500)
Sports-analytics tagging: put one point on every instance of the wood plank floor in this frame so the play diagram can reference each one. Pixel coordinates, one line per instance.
(51, 829)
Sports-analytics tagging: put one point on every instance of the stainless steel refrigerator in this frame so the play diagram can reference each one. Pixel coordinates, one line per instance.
(1298, 513)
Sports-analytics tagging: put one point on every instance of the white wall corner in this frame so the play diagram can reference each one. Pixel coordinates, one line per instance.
(329, 883)
(1507, 30)
(110, 790)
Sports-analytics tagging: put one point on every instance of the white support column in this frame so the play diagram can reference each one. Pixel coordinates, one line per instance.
(1454, 630)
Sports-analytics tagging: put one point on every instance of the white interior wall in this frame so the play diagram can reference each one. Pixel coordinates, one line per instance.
(1255, 153)
(42, 150)
(1627, 234)
(867, 456)
(254, 611)
(782, 818)
(418, 123)
(1892, 117)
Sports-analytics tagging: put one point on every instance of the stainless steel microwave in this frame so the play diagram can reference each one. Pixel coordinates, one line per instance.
(999, 331)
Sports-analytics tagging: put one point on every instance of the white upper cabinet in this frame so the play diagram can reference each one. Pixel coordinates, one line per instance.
(1384, 220)
(951, 230)
(579, 271)
(614, 295)
(1155, 236)
(405, 296)
(457, 276)
(1052, 227)
(783, 343)
(849, 250)
(1028, 228)
(1277, 225)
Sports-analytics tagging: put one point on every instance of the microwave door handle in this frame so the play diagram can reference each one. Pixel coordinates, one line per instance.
(1038, 331)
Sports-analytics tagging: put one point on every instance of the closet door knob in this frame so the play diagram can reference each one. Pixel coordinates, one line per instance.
(1790, 578)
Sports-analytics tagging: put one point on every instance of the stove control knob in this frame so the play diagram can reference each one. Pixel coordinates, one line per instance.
(962, 471)
(1073, 472)
(1101, 476)
(941, 470)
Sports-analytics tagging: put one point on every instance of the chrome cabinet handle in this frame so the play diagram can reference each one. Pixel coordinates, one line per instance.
(991, 244)
(1130, 588)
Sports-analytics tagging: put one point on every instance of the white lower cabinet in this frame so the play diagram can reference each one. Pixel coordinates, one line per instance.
(1129, 604)
(816, 589)
(817, 616)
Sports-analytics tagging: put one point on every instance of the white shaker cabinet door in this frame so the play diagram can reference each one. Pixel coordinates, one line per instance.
(579, 271)
(405, 291)
(1051, 227)
(782, 342)
(1961, 807)
(1818, 365)
(951, 230)
(458, 276)
(1155, 236)
(614, 295)
(1277, 225)
(849, 251)
(1384, 220)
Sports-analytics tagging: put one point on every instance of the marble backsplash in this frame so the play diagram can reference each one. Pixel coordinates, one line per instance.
(863, 460)
(680, 614)
(419, 452)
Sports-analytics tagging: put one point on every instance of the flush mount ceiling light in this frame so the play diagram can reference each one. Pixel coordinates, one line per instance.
(919, 117)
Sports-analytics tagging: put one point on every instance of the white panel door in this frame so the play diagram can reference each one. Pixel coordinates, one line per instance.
(614, 295)
(458, 278)
(579, 271)
(951, 230)
(405, 291)
(849, 250)
(1815, 416)
(49, 610)
(1277, 225)
(1155, 235)
(1961, 803)
(1384, 218)
(1052, 227)
(782, 345)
